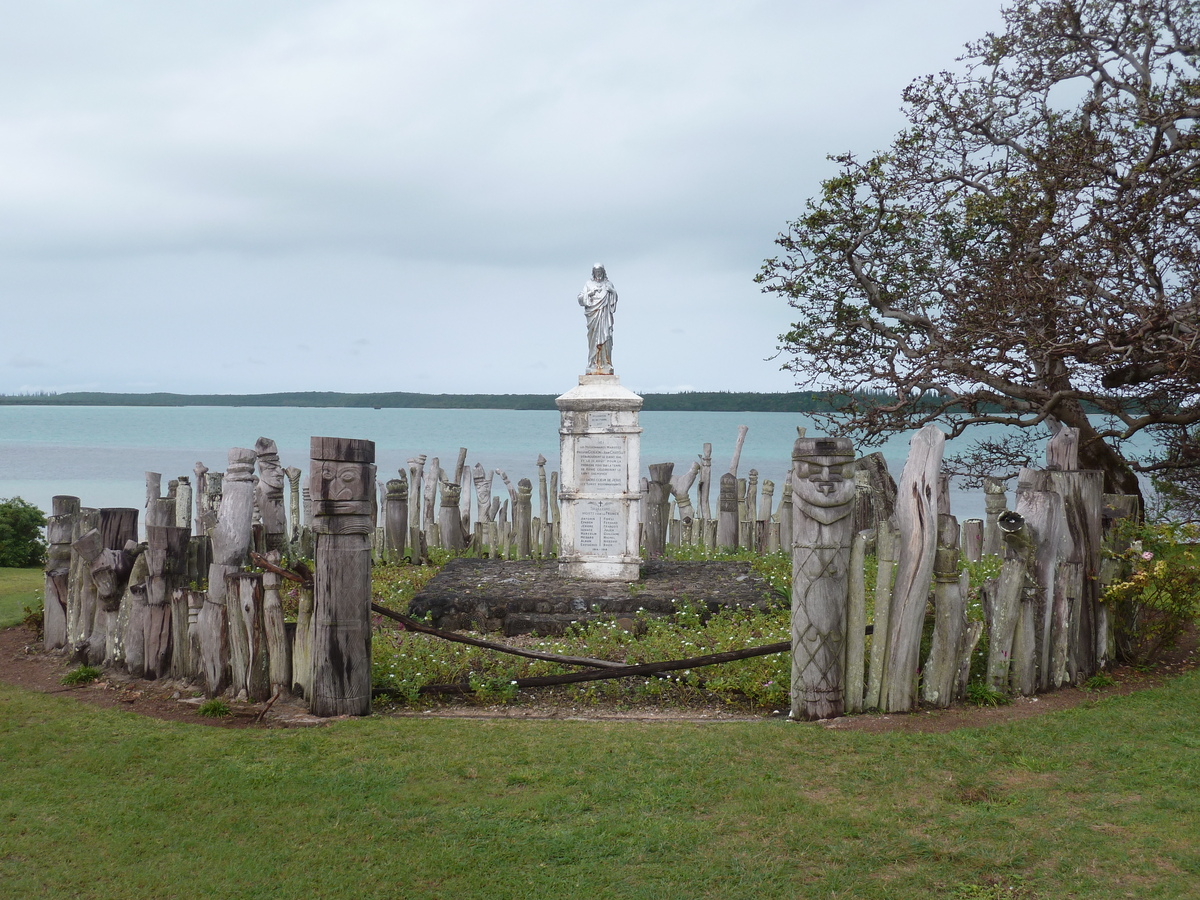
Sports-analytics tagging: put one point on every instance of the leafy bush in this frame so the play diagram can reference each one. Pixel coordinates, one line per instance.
(1159, 599)
(22, 544)
(35, 620)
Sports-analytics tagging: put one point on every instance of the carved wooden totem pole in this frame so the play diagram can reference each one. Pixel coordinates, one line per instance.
(269, 493)
(822, 504)
(342, 480)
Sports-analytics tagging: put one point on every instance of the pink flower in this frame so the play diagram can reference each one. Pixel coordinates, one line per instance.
(1147, 555)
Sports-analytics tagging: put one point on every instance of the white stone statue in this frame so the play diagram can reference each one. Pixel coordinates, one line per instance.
(599, 300)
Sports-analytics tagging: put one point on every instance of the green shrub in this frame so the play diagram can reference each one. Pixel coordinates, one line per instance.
(983, 694)
(1159, 599)
(213, 709)
(22, 544)
(81, 675)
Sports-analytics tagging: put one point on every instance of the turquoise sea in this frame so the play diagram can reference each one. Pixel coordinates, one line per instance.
(100, 454)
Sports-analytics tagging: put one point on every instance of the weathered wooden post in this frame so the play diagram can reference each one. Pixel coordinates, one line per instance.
(681, 485)
(200, 470)
(785, 515)
(950, 619)
(153, 487)
(542, 538)
(745, 529)
(302, 647)
(554, 514)
(1012, 584)
(763, 524)
(433, 480)
(856, 622)
(877, 500)
(916, 518)
(749, 512)
(81, 590)
(110, 569)
(522, 516)
(248, 636)
(293, 474)
(823, 484)
(166, 564)
(341, 481)
(183, 504)
(416, 475)
(995, 503)
(658, 498)
(727, 514)
(450, 521)
(214, 490)
(64, 512)
(482, 480)
(703, 493)
(395, 517)
(886, 541)
(230, 543)
(269, 494)
(737, 449)
(971, 538)
(278, 652)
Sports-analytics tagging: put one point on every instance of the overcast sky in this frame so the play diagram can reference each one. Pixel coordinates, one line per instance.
(239, 196)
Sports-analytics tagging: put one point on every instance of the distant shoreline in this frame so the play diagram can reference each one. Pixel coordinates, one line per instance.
(689, 401)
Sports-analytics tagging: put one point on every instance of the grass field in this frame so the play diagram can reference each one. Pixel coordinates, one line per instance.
(1100, 801)
(19, 588)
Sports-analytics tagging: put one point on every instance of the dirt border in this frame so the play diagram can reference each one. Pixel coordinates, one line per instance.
(23, 664)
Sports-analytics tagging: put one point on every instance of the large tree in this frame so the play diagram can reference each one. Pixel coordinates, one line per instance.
(1027, 251)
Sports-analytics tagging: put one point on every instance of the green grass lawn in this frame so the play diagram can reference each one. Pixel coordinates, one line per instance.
(1100, 801)
(19, 588)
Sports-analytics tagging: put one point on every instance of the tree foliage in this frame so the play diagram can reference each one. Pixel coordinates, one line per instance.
(1027, 250)
(21, 541)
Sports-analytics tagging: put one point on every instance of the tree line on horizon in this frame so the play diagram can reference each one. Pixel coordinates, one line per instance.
(685, 401)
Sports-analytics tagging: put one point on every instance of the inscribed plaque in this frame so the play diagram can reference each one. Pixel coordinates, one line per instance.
(601, 464)
(601, 528)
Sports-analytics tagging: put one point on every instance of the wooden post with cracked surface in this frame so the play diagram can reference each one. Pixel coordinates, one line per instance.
(342, 479)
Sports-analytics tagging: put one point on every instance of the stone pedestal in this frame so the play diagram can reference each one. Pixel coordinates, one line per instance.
(600, 463)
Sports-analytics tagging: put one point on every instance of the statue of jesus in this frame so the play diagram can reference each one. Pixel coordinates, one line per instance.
(599, 300)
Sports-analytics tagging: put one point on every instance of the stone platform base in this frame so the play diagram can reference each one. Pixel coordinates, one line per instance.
(530, 596)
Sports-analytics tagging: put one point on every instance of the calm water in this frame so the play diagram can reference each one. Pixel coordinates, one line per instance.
(100, 454)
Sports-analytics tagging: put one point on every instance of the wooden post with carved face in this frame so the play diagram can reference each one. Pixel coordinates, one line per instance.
(727, 513)
(342, 481)
(823, 503)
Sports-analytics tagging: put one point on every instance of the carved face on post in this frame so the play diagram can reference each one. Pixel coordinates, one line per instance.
(823, 477)
(341, 481)
(341, 488)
